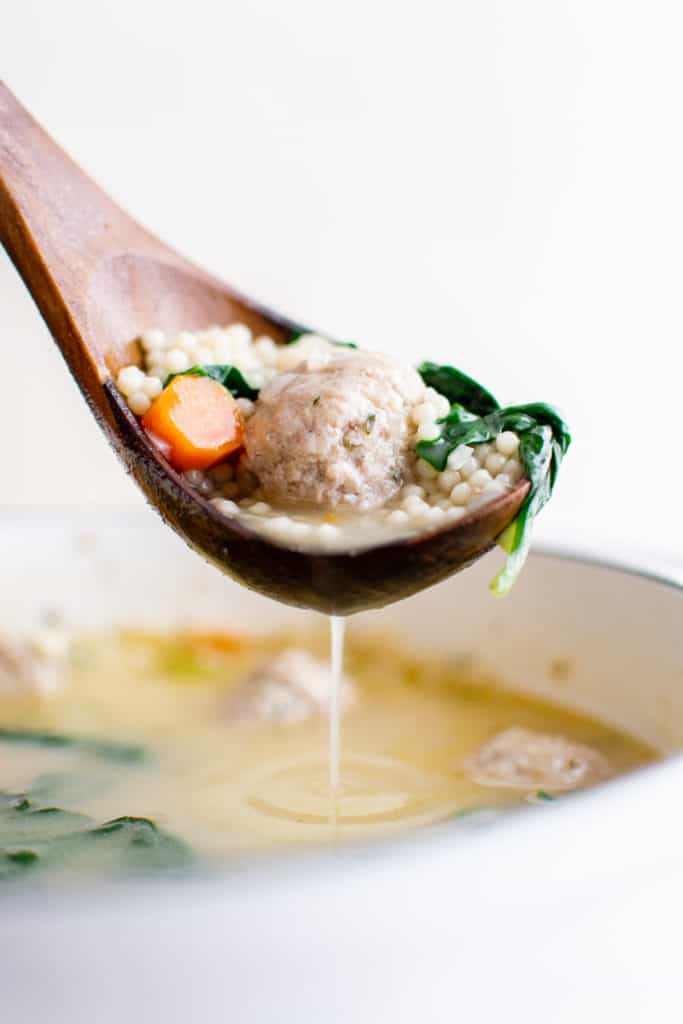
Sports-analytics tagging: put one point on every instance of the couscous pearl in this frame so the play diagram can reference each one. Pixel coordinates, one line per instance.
(414, 505)
(177, 361)
(455, 512)
(459, 457)
(412, 490)
(187, 341)
(222, 352)
(228, 508)
(513, 469)
(153, 339)
(448, 479)
(468, 468)
(261, 508)
(398, 517)
(507, 443)
(479, 480)
(425, 412)
(425, 470)
(266, 349)
(130, 380)
(495, 462)
(427, 431)
(238, 334)
(152, 387)
(461, 494)
(442, 405)
(495, 488)
(245, 406)
(204, 356)
(482, 452)
(431, 515)
(138, 403)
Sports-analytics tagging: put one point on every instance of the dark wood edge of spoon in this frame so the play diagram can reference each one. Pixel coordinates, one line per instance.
(336, 584)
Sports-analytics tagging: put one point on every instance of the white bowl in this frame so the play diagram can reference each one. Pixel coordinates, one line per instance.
(559, 913)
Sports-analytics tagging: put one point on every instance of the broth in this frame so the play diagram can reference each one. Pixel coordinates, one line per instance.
(223, 788)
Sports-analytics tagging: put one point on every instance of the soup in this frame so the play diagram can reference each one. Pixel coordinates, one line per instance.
(321, 446)
(177, 751)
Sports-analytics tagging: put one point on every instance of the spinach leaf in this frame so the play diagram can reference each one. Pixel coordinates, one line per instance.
(463, 427)
(458, 388)
(109, 750)
(229, 376)
(49, 837)
(536, 453)
(543, 442)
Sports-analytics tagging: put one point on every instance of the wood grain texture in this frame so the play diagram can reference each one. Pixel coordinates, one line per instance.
(99, 279)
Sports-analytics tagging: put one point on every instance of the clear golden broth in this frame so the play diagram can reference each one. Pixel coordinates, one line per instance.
(227, 789)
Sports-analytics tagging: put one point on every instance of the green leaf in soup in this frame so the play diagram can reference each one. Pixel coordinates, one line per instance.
(458, 388)
(69, 787)
(126, 843)
(49, 837)
(22, 823)
(109, 750)
(229, 376)
(16, 862)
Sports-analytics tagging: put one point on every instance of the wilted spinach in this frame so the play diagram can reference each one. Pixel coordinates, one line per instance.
(458, 388)
(229, 376)
(475, 417)
(110, 750)
(34, 837)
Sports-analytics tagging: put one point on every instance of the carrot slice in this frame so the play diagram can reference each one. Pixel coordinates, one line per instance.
(198, 419)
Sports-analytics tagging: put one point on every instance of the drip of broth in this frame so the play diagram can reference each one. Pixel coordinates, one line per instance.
(231, 788)
(337, 630)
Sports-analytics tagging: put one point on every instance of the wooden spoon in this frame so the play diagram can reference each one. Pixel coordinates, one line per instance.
(100, 280)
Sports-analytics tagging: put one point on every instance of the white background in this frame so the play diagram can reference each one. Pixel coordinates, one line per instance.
(494, 184)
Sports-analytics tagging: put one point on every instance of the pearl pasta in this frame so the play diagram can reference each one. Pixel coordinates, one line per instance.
(426, 498)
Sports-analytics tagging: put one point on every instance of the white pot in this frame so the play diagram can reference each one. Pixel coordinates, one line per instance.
(568, 912)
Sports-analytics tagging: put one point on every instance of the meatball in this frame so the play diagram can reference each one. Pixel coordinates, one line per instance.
(291, 687)
(335, 432)
(35, 664)
(523, 759)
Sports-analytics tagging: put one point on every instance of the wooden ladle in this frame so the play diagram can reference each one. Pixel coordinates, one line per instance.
(100, 280)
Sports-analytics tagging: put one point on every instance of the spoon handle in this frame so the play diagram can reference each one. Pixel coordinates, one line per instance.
(59, 230)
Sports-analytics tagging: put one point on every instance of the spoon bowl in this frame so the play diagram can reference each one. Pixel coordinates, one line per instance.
(100, 280)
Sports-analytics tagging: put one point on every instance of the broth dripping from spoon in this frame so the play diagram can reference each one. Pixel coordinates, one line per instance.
(337, 630)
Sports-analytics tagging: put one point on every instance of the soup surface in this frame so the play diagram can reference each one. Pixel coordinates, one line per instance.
(162, 752)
